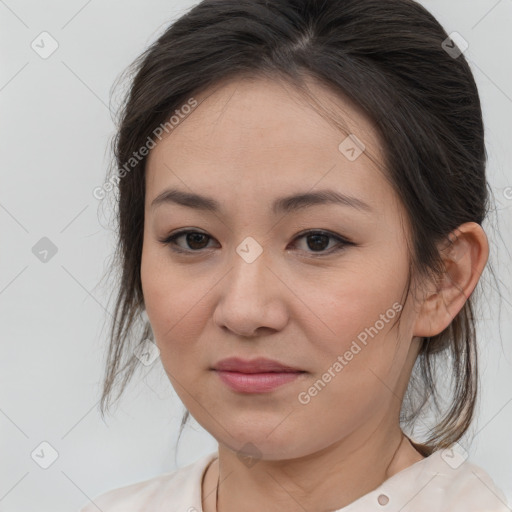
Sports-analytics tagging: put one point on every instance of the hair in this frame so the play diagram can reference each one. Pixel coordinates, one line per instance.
(386, 57)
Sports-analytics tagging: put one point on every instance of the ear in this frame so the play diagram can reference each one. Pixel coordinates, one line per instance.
(464, 256)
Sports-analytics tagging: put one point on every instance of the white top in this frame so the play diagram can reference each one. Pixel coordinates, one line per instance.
(429, 485)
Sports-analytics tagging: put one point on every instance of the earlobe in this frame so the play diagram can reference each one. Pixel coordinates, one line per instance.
(464, 256)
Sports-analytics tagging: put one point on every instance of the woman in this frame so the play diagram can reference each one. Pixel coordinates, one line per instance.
(301, 196)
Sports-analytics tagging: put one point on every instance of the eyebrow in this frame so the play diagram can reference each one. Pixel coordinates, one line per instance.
(281, 205)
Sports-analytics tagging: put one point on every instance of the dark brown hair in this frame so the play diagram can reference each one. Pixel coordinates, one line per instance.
(388, 57)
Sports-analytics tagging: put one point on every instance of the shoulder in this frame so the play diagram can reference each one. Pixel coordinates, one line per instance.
(468, 487)
(445, 482)
(180, 489)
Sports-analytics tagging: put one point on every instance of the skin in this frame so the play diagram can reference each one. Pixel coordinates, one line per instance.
(246, 144)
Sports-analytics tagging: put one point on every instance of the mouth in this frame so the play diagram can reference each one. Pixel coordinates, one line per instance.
(259, 365)
(255, 376)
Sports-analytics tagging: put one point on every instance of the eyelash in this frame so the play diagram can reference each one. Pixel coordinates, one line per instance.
(342, 242)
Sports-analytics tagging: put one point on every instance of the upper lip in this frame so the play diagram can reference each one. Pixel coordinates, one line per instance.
(259, 365)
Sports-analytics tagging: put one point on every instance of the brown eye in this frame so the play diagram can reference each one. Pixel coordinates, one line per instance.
(319, 241)
(195, 241)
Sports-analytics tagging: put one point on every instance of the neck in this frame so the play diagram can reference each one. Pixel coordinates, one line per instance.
(323, 481)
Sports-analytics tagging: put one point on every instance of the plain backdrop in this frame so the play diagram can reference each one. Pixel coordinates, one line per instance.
(55, 130)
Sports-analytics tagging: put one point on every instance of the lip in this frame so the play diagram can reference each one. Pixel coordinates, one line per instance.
(258, 365)
(259, 375)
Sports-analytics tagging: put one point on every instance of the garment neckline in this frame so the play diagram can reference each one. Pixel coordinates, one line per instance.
(419, 465)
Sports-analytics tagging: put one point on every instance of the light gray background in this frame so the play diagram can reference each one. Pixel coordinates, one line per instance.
(55, 129)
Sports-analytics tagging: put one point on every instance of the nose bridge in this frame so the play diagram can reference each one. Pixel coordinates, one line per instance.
(248, 299)
(249, 269)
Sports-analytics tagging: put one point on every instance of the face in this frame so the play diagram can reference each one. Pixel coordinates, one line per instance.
(315, 285)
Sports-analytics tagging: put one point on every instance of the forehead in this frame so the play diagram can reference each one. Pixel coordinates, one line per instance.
(267, 134)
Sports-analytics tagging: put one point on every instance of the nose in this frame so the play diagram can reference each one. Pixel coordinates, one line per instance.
(252, 300)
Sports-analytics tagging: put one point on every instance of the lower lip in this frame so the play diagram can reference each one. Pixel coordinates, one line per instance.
(256, 382)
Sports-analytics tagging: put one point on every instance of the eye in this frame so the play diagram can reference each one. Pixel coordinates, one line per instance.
(316, 241)
(195, 240)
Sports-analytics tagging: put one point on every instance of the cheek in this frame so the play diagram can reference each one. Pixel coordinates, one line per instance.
(349, 304)
(358, 368)
(357, 311)
(176, 306)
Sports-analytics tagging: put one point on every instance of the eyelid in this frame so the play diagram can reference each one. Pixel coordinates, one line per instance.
(168, 240)
(342, 241)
